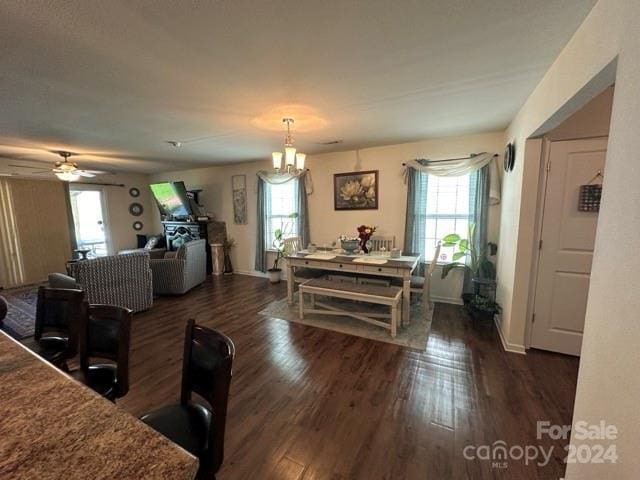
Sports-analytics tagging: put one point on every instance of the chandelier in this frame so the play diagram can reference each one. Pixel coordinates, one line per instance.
(293, 161)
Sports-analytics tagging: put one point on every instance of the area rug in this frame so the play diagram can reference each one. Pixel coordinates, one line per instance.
(21, 315)
(414, 336)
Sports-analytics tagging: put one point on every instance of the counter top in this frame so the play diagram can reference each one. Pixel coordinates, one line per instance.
(52, 427)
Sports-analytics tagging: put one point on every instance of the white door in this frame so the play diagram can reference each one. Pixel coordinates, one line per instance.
(566, 250)
(89, 213)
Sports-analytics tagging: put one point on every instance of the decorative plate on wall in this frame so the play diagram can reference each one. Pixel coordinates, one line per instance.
(134, 192)
(509, 156)
(136, 209)
(137, 226)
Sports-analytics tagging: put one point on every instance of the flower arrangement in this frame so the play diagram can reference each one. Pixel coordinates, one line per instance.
(364, 234)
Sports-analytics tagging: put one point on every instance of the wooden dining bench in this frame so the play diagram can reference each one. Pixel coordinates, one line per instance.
(376, 294)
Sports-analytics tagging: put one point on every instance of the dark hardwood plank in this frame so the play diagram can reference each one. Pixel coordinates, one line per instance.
(308, 403)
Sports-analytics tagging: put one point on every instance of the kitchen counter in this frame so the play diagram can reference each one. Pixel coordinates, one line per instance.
(52, 427)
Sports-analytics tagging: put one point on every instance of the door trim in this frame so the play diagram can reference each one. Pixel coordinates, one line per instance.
(105, 210)
(533, 283)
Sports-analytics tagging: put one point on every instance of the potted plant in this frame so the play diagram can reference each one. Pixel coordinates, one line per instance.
(479, 265)
(482, 308)
(228, 245)
(279, 235)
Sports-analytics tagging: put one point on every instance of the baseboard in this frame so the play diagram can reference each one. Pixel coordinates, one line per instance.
(508, 347)
(451, 300)
(251, 273)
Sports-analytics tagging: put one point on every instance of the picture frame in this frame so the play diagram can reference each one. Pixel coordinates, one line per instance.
(356, 190)
(239, 192)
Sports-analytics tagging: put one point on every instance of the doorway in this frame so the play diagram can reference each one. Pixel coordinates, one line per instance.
(89, 213)
(567, 239)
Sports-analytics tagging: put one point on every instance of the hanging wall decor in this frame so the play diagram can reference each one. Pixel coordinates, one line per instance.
(136, 209)
(355, 190)
(590, 198)
(239, 191)
(509, 157)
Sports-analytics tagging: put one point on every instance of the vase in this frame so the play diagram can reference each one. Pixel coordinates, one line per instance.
(228, 267)
(365, 245)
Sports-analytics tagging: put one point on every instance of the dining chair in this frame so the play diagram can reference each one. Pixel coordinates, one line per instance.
(381, 243)
(206, 371)
(418, 282)
(60, 312)
(427, 304)
(105, 336)
(294, 245)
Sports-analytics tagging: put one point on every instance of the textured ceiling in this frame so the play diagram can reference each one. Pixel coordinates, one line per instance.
(116, 79)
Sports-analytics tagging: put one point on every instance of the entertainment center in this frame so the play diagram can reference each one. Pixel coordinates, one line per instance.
(183, 219)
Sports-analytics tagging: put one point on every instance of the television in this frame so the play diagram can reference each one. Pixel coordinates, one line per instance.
(172, 199)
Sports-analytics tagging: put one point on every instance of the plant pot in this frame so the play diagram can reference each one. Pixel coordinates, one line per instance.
(274, 275)
(482, 315)
(228, 267)
(466, 298)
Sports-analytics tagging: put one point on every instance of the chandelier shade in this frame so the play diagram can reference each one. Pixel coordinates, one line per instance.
(294, 161)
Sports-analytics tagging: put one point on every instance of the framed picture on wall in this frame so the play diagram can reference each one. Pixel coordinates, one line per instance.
(355, 190)
(239, 189)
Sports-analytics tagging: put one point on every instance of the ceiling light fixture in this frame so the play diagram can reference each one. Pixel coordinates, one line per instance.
(294, 161)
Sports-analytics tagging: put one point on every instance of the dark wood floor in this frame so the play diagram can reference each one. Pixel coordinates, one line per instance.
(314, 404)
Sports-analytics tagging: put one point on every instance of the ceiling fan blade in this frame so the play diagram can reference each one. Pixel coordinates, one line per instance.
(83, 173)
(98, 172)
(26, 166)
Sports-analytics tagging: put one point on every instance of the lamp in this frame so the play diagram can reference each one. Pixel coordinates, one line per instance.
(67, 176)
(292, 160)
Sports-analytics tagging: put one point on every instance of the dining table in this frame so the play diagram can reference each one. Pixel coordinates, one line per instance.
(53, 427)
(374, 264)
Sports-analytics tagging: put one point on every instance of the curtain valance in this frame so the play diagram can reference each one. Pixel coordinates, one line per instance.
(462, 166)
(274, 178)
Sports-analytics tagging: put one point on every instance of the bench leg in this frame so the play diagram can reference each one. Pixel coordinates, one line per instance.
(301, 302)
(394, 319)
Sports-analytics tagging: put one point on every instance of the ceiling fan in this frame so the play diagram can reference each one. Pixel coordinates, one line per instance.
(65, 170)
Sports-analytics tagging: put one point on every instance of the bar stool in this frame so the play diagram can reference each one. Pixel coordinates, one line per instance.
(105, 335)
(59, 314)
(206, 371)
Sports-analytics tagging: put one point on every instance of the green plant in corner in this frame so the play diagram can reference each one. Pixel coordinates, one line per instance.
(280, 234)
(479, 265)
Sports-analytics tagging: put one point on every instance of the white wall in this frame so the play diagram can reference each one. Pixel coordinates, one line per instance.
(326, 223)
(608, 383)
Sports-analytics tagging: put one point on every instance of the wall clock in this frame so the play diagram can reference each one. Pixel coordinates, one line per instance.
(134, 192)
(137, 226)
(136, 209)
(509, 156)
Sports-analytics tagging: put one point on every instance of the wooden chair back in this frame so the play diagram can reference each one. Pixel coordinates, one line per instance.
(207, 370)
(61, 311)
(292, 245)
(107, 335)
(426, 289)
(381, 243)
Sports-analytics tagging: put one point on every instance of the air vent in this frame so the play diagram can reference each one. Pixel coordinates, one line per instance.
(331, 142)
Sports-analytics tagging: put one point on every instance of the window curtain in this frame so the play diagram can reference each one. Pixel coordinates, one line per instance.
(261, 253)
(415, 224)
(303, 211)
(484, 190)
(479, 193)
(304, 188)
(462, 166)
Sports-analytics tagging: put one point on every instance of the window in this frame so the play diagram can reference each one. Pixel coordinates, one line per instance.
(280, 202)
(448, 210)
